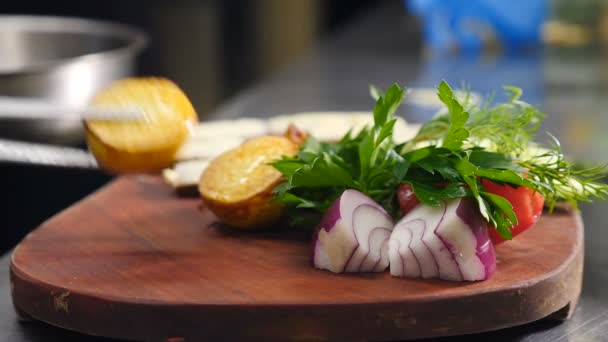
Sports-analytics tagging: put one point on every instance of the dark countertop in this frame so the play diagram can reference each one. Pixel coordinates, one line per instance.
(335, 76)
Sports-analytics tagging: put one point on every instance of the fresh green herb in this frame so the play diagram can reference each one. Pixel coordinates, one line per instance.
(456, 133)
(367, 162)
(562, 181)
(507, 128)
(446, 159)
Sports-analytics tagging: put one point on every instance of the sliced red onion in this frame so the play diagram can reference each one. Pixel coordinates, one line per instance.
(352, 236)
(449, 242)
(404, 263)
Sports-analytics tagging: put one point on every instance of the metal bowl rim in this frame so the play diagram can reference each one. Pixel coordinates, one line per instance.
(137, 40)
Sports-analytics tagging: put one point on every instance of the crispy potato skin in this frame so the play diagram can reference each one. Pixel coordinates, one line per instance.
(254, 213)
(237, 185)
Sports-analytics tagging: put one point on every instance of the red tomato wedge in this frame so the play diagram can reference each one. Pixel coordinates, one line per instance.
(407, 198)
(527, 205)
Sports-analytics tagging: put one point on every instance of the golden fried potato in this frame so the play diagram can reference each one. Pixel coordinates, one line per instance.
(237, 185)
(144, 145)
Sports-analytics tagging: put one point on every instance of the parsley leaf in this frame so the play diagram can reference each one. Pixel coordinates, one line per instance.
(456, 134)
(434, 195)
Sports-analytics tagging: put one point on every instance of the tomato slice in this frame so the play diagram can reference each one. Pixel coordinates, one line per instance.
(407, 198)
(527, 205)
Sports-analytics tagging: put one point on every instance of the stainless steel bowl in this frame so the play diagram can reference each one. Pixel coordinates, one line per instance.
(63, 59)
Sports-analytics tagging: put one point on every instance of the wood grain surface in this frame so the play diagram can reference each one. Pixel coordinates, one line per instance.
(132, 261)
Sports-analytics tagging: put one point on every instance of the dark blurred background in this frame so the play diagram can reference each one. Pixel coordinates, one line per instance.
(211, 48)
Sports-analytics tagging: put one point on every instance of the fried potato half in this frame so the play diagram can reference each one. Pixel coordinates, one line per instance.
(237, 185)
(143, 145)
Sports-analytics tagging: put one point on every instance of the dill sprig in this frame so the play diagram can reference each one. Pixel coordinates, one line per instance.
(508, 127)
(562, 181)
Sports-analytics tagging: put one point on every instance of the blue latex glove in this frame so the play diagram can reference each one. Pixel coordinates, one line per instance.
(463, 23)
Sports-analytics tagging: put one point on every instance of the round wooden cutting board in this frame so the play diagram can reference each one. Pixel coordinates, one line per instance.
(132, 261)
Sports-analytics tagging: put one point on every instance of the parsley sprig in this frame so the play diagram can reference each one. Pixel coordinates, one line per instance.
(446, 159)
(367, 161)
